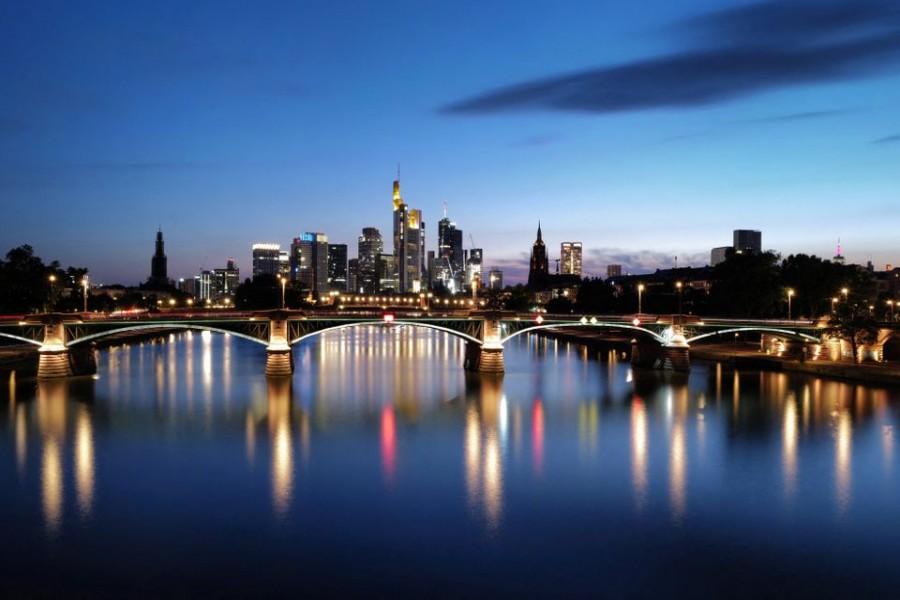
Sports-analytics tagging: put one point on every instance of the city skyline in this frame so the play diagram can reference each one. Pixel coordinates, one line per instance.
(225, 128)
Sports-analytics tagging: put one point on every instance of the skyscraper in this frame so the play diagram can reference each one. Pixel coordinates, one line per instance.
(265, 259)
(539, 267)
(570, 254)
(450, 259)
(309, 262)
(158, 264)
(370, 245)
(337, 267)
(409, 243)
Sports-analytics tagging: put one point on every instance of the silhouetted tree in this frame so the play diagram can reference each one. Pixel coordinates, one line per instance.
(746, 285)
(852, 320)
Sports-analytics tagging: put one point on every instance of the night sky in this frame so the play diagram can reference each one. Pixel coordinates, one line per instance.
(645, 130)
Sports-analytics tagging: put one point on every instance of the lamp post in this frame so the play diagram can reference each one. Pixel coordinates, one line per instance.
(679, 286)
(845, 292)
(84, 283)
(890, 304)
(640, 291)
(283, 281)
(790, 294)
(52, 290)
(833, 302)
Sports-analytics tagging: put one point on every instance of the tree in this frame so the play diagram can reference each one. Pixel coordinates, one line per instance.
(746, 285)
(852, 321)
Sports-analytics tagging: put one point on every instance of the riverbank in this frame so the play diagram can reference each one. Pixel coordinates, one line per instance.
(749, 356)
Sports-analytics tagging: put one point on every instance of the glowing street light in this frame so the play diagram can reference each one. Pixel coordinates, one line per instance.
(790, 294)
(84, 283)
(640, 291)
(833, 302)
(283, 281)
(52, 289)
(890, 304)
(845, 291)
(679, 286)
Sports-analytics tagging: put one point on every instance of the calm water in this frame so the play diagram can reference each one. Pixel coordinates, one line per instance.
(382, 469)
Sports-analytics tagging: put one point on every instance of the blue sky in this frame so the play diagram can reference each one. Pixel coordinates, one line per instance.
(647, 130)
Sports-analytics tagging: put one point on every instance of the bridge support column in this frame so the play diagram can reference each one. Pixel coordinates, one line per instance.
(54, 360)
(279, 358)
(486, 357)
(674, 356)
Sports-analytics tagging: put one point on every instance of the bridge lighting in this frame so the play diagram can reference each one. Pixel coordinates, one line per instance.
(833, 302)
(593, 320)
(583, 320)
(845, 291)
(640, 292)
(636, 322)
(890, 304)
(388, 318)
(539, 319)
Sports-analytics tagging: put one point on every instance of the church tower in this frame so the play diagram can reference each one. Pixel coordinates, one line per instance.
(539, 269)
(159, 276)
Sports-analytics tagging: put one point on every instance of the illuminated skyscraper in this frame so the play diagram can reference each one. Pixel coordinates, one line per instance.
(265, 259)
(570, 254)
(337, 267)
(409, 243)
(309, 262)
(370, 246)
(539, 268)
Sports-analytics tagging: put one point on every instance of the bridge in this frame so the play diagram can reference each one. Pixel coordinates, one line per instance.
(64, 339)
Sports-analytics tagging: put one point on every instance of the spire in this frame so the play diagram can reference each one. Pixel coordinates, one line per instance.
(539, 231)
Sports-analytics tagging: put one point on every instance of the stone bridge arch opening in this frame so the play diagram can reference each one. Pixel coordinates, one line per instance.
(380, 323)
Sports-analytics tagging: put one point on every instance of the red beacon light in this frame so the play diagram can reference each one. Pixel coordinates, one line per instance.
(388, 318)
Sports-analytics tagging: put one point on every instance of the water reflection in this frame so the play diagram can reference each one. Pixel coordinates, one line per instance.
(388, 443)
(84, 460)
(639, 452)
(789, 447)
(485, 420)
(843, 459)
(280, 402)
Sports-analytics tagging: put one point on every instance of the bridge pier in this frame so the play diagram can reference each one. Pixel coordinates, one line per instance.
(486, 357)
(54, 360)
(279, 358)
(674, 356)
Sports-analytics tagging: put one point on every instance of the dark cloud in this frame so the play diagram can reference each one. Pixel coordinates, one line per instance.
(743, 51)
(891, 139)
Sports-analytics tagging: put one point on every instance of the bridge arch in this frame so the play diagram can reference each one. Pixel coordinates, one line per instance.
(19, 338)
(655, 336)
(785, 332)
(164, 328)
(432, 326)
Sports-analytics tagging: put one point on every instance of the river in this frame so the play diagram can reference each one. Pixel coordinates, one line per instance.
(382, 469)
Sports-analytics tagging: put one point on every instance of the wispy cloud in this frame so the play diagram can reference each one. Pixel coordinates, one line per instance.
(801, 116)
(891, 139)
(728, 57)
(638, 261)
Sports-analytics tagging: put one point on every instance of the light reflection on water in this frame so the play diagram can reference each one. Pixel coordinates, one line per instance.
(381, 435)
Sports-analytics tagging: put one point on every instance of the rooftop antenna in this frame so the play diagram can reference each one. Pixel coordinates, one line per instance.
(445, 210)
(398, 171)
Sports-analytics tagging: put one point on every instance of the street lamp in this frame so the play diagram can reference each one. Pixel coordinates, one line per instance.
(640, 291)
(790, 294)
(679, 285)
(283, 281)
(833, 302)
(845, 291)
(84, 282)
(890, 304)
(52, 289)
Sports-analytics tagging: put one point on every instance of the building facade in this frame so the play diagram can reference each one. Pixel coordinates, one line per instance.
(570, 257)
(370, 246)
(747, 240)
(266, 259)
(337, 267)
(409, 243)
